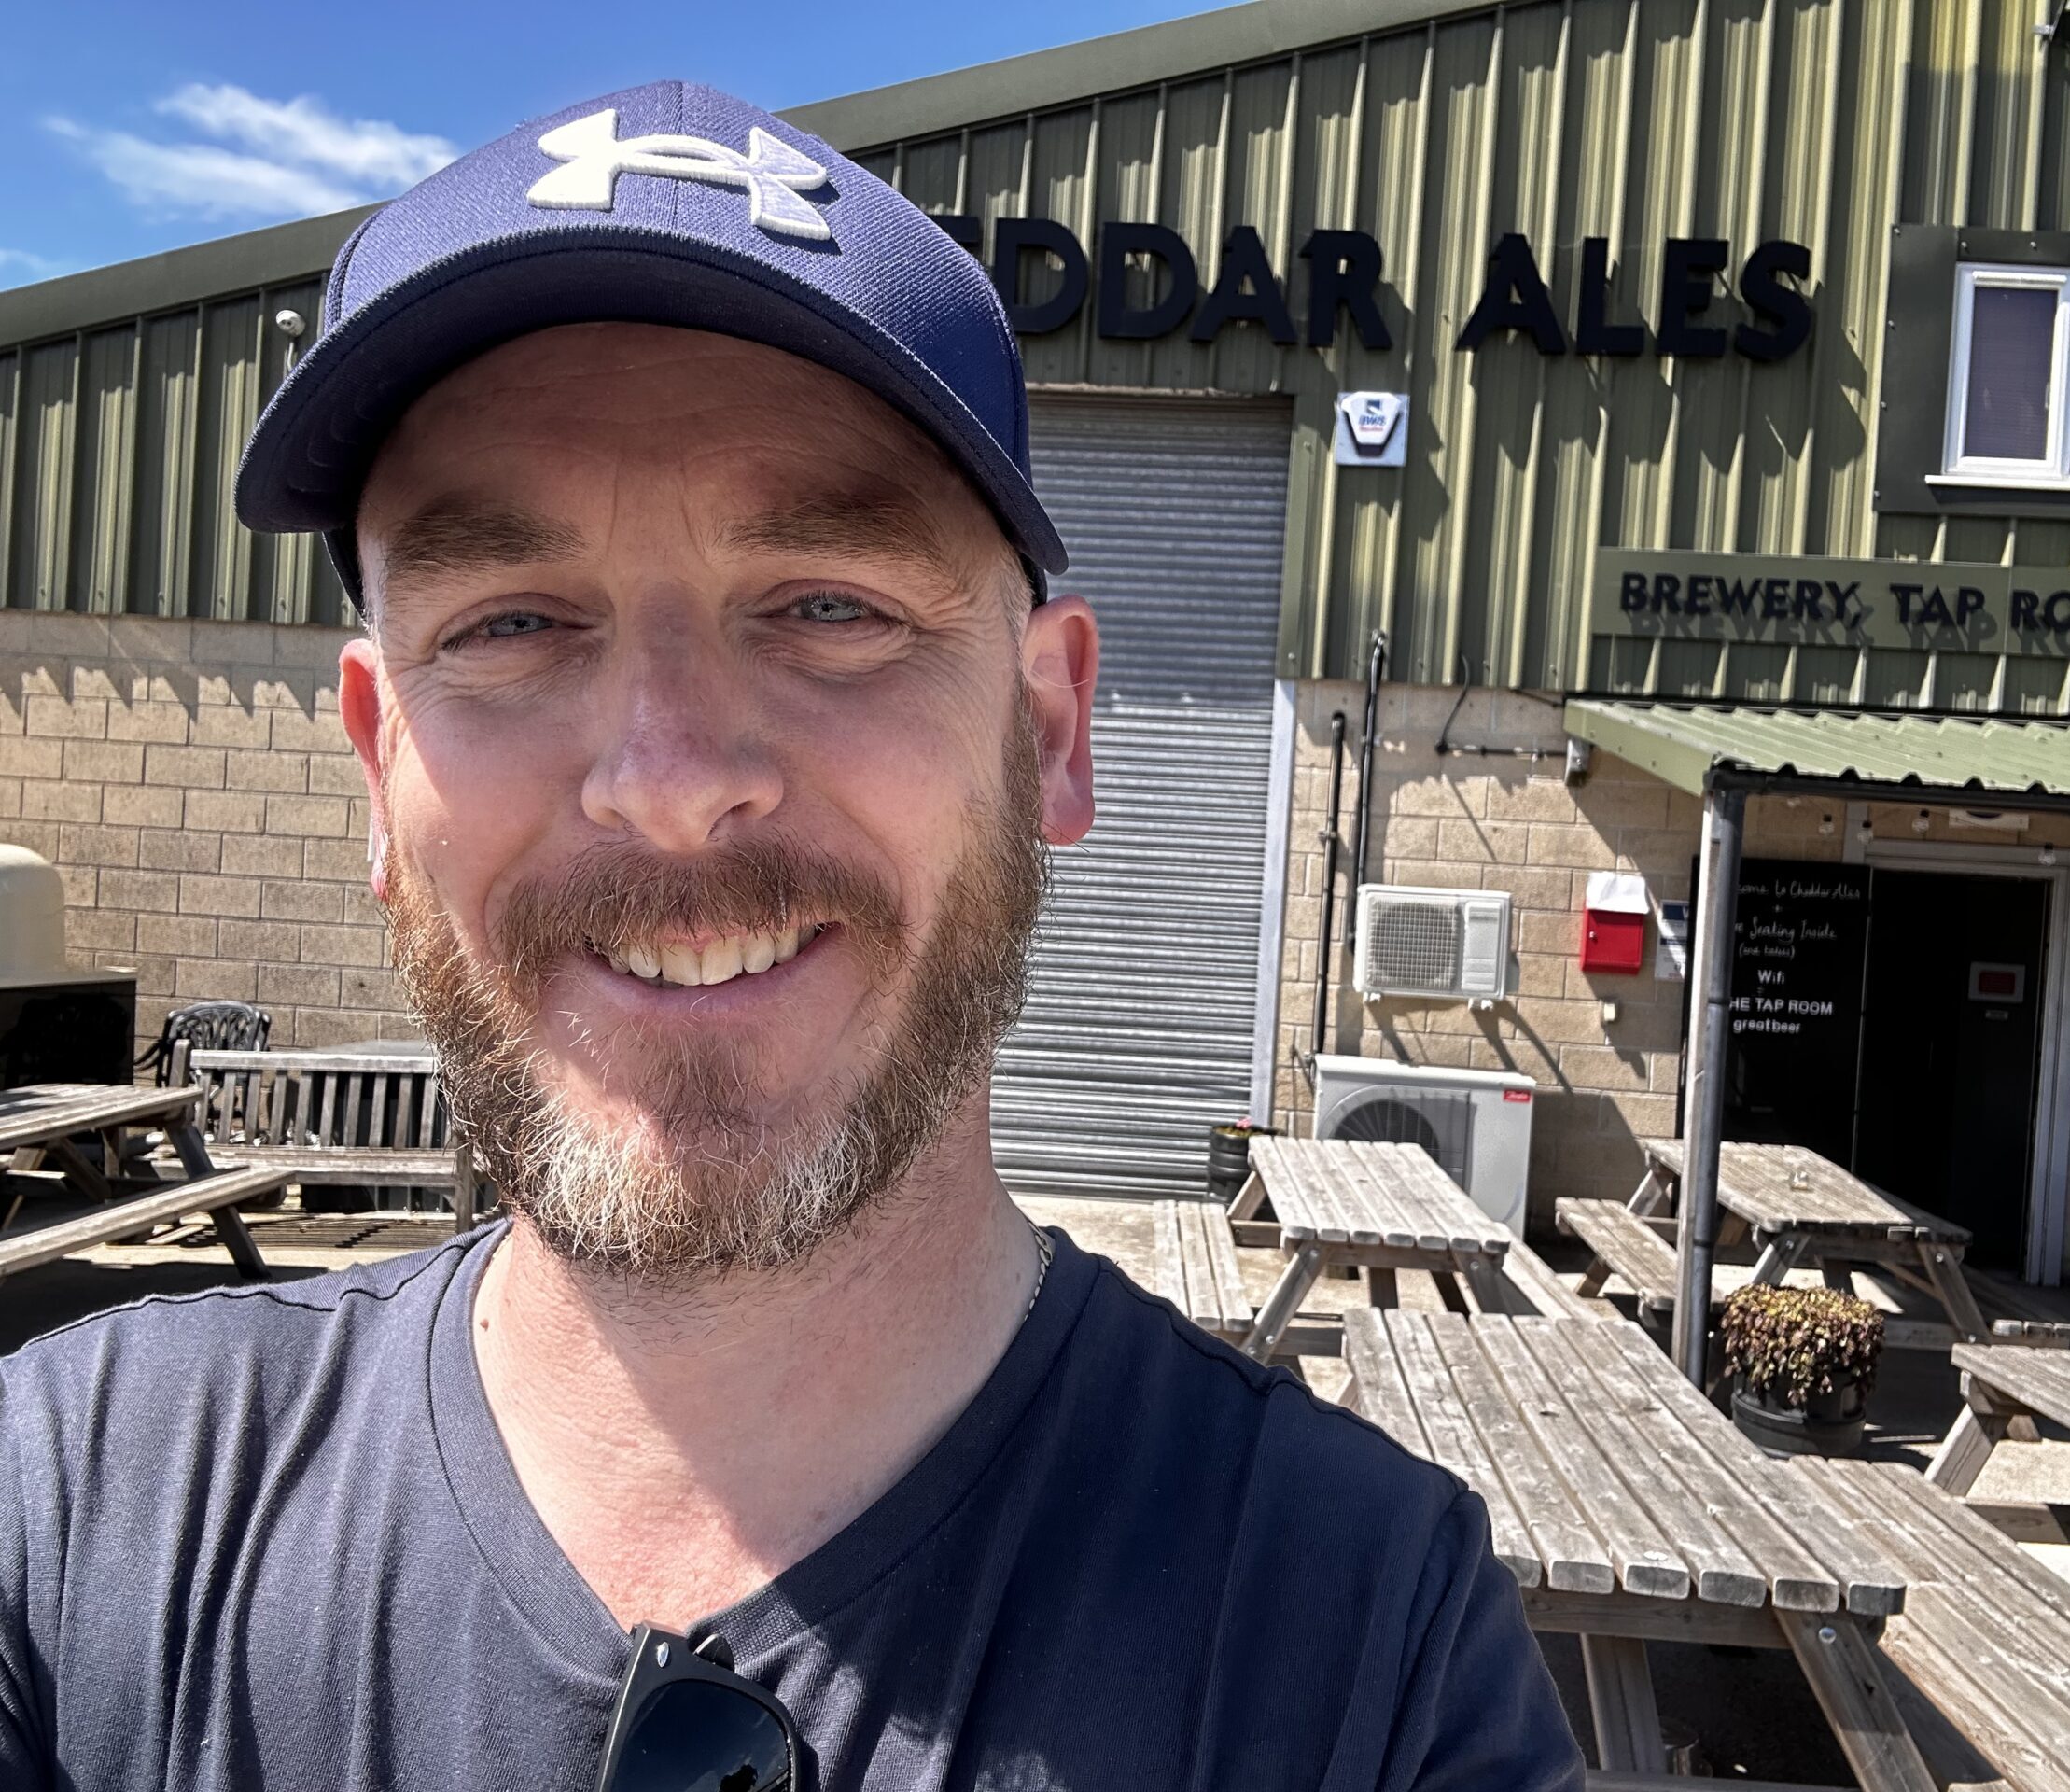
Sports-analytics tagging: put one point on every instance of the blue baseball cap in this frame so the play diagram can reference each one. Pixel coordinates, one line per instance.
(669, 203)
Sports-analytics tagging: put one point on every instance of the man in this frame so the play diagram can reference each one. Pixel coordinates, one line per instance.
(715, 712)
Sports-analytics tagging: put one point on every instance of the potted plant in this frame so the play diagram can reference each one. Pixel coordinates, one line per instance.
(1802, 1362)
(1229, 1157)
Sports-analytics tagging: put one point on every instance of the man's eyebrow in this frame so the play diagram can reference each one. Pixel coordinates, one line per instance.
(839, 526)
(451, 535)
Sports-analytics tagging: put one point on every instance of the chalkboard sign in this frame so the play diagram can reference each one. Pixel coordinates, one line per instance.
(1795, 1032)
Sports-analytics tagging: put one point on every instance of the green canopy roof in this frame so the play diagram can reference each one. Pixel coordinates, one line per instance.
(1695, 746)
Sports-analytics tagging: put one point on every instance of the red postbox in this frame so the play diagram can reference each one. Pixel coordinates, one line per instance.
(1614, 922)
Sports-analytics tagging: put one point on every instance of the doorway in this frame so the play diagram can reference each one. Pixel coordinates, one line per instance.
(1952, 1047)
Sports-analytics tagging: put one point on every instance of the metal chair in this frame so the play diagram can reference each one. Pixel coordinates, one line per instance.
(208, 1027)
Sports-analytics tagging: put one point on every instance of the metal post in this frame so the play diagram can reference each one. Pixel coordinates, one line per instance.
(1710, 1004)
(1376, 669)
(1326, 966)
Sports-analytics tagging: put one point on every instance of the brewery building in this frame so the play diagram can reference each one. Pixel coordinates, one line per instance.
(1523, 458)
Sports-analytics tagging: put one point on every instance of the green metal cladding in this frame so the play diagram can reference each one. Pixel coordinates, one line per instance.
(1434, 128)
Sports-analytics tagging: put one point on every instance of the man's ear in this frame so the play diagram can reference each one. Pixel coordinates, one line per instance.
(1059, 668)
(360, 709)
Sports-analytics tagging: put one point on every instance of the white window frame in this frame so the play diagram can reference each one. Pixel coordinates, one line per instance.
(2053, 470)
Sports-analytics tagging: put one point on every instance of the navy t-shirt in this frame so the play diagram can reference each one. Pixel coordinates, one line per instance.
(268, 1536)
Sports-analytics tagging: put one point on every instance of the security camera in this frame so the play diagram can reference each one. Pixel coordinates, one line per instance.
(290, 324)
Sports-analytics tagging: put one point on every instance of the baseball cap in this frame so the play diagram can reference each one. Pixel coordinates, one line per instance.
(669, 203)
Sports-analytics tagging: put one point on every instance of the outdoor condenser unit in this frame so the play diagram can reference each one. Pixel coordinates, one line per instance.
(1447, 944)
(1477, 1124)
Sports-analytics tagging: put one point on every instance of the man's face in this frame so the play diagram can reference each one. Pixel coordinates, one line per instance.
(713, 744)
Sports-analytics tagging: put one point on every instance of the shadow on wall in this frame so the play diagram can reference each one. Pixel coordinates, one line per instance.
(1494, 811)
(133, 661)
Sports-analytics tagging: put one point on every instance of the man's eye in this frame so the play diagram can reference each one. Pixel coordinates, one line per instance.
(517, 623)
(831, 606)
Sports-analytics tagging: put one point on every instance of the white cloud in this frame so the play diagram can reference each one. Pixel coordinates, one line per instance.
(25, 264)
(290, 159)
(369, 152)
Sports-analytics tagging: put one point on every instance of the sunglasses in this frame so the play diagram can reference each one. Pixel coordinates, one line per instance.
(686, 1722)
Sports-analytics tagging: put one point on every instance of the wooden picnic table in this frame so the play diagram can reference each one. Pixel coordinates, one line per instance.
(2005, 1388)
(1799, 1207)
(1630, 1510)
(1379, 1206)
(42, 1120)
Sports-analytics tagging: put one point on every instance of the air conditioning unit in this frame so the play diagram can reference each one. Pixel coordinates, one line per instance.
(1477, 1124)
(1449, 943)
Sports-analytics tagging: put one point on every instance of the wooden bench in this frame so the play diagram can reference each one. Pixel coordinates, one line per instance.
(1983, 1641)
(1624, 1244)
(216, 1196)
(2007, 1387)
(2020, 1314)
(1541, 1289)
(2038, 1333)
(328, 1118)
(1199, 1273)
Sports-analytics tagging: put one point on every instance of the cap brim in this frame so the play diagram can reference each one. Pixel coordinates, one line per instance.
(309, 455)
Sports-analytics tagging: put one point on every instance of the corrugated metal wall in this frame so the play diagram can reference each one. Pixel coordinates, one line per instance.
(117, 449)
(1820, 120)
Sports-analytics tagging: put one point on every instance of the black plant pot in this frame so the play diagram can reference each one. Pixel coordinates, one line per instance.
(1229, 1159)
(1828, 1424)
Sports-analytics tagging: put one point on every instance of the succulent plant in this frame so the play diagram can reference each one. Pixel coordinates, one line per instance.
(1792, 1343)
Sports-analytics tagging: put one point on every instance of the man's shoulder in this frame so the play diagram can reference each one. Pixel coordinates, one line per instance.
(250, 1333)
(1260, 1433)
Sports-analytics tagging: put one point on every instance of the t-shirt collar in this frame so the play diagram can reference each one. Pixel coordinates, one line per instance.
(516, 1548)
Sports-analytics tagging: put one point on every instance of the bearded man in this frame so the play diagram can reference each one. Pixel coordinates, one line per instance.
(716, 714)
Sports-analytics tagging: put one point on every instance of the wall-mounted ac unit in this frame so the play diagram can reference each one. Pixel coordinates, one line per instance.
(1477, 1124)
(1448, 944)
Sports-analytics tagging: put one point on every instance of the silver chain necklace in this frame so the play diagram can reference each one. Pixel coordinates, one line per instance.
(1045, 1248)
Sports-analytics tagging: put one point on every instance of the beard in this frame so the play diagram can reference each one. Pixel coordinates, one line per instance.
(708, 1174)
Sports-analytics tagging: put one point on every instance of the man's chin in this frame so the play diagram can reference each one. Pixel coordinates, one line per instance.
(659, 1194)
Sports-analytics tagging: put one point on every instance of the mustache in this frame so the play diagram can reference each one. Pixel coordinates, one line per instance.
(619, 891)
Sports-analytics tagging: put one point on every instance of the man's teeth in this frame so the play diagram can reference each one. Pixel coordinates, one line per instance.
(724, 959)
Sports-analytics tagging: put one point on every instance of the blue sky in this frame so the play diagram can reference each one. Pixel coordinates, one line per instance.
(128, 128)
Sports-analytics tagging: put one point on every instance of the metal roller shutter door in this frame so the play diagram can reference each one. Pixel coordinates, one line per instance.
(1137, 1032)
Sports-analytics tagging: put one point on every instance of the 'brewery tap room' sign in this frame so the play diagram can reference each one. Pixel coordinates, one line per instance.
(1793, 1038)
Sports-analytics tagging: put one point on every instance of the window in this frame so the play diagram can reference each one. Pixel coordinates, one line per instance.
(2006, 382)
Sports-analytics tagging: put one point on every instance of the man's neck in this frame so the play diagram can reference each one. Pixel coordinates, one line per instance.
(684, 1446)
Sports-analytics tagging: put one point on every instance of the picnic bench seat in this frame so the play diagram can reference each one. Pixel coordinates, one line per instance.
(329, 1118)
(216, 1196)
(2020, 1314)
(1984, 1637)
(1542, 1290)
(2007, 1387)
(2040, 1334)
(1199, 1272)
(1625, 1243)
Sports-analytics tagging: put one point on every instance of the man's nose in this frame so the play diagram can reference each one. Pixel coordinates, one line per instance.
(685, 760)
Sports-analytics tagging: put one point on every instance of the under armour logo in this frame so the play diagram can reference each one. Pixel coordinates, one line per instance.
(592, 158)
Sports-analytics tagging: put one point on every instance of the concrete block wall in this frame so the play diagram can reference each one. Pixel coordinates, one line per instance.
(193, 785)
(1507, 821)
